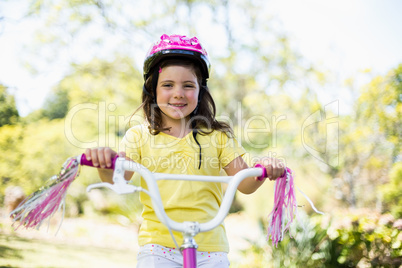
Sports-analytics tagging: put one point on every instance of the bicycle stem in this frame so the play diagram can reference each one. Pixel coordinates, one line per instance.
(189, 246)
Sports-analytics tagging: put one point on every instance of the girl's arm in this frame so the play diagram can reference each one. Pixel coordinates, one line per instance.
(274, 167)
(101, 158)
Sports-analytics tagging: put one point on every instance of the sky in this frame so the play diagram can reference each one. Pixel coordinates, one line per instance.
(359, 34)
(345, 36)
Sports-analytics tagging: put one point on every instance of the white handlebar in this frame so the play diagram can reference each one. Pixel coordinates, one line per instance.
(120, 186)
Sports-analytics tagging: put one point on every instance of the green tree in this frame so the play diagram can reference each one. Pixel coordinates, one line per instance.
(392, 191)
(370, 141)
(10, 157)
(8, 110)
(56, 105)
(381, 104)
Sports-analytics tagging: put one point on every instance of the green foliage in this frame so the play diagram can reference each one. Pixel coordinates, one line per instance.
(83, 112)
(302, 246)
(380, 104)
(369, 141)
(57, 104)
(357, 239)
(367, 238)
(32, 153)
(391, 191)
(10, 158)
(8, 110)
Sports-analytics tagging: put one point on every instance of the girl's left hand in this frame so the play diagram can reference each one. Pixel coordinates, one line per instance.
(274, 167)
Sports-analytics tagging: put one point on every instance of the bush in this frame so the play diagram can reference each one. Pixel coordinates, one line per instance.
(357, 239)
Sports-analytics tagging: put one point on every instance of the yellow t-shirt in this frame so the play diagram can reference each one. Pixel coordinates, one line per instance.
(182, 200)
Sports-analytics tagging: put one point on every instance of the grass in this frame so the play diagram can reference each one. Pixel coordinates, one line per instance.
(81, 242)
(22, 252)
(96, 242)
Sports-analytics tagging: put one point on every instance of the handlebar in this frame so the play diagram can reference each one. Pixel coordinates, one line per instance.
(121, 186)
(82, 159)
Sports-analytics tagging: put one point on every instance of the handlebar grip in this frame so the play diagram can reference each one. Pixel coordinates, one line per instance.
(83, 161)
(264, 172)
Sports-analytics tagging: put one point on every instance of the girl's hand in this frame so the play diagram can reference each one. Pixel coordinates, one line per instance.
(101, 156)
(274, 167)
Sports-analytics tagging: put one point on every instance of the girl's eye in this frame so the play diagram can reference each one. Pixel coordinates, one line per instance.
(167, 85)
(189, 86)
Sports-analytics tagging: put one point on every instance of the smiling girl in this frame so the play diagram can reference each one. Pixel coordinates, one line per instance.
(181, 136)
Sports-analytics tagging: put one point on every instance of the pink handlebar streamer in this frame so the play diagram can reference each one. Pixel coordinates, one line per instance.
(43, 203)
(46, 201)
(285, 207)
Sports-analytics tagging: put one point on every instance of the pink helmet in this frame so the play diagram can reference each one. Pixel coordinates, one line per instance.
(177, 46)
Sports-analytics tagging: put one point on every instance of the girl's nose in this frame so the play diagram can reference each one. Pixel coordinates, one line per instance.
(178, 92)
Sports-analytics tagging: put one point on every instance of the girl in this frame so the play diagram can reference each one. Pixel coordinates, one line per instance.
(181, 136)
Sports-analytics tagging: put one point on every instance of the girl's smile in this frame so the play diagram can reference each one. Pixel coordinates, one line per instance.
(177, 93)
(178, 105)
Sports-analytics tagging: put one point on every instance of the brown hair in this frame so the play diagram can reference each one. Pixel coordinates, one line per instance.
(203, 121)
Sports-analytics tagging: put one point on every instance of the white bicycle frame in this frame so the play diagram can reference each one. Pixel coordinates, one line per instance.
(188, 228)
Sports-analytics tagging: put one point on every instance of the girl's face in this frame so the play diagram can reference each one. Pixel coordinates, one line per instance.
(177, 93)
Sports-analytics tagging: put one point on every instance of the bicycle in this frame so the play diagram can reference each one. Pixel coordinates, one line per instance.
(43, 203)
(189, 228)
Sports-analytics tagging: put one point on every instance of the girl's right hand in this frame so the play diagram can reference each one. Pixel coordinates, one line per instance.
(101, 157)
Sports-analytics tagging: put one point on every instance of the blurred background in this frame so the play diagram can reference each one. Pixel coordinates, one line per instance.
(316, 83)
